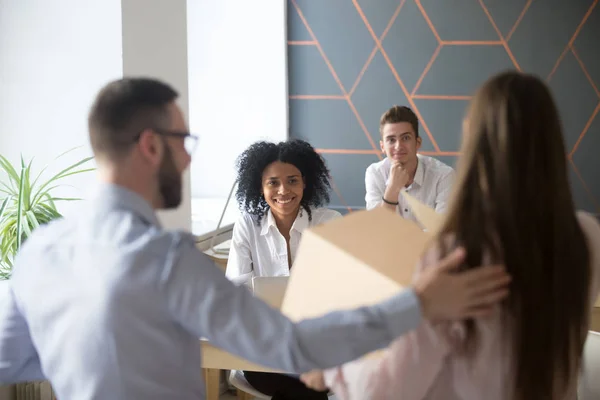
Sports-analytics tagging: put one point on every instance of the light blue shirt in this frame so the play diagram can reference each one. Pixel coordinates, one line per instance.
(107, 305)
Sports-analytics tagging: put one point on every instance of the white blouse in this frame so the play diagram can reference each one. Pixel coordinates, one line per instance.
(260, 250)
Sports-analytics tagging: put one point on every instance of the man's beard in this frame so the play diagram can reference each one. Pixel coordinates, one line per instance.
(169, 181)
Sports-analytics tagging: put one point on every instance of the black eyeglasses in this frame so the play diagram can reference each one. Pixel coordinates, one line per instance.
(189, 141)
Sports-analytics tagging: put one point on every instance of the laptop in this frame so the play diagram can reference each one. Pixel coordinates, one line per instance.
(270, 289)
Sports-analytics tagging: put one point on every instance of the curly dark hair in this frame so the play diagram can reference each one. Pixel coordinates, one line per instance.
(253, 161)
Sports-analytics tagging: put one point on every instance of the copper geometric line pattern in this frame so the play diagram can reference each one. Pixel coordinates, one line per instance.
(575, 34)
(302, 42)
(585, 70)
(395, 73)
(413, 95)
(591, 119)
(584, 184)
(337, 191)
(441, 43)
(570, 47)
(334, 74)
(518, 21)
(375, 48)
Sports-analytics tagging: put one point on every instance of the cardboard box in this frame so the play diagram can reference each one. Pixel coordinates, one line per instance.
(427, 216)
(361, 259)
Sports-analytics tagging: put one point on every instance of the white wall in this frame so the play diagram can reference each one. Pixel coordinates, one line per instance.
(237, 85)
(162, 54)
(54, 57)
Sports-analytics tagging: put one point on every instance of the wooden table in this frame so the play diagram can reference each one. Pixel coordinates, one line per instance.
(215, 359)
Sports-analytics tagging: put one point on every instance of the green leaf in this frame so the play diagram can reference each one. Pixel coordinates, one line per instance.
(68, 151)
(3, 207)
(27, 187)
(20, 210)
(44, 213)
(32, 218)
(49, 199)
(9, 169)
(62, 174)
(52, 211)
(8, 190)
(26, 230)
(47, 165)
(65, 199)
(8, 248)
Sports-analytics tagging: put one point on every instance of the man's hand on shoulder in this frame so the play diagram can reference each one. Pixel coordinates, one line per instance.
(446, 294)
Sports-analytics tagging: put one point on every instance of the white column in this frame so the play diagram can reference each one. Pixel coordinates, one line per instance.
(155, 45)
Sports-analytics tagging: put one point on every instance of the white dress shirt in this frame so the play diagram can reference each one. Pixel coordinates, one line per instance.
(107, 305)
(260, 250)
(432, 185)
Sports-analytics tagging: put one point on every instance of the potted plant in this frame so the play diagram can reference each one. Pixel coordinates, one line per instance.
(27, 203)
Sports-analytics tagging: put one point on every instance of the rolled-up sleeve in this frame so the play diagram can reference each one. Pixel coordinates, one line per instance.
(375, 188)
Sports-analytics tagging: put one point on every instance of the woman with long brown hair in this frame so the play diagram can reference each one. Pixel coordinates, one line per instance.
(511, 204)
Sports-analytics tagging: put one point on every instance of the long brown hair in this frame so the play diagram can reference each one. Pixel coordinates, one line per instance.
(512, 201)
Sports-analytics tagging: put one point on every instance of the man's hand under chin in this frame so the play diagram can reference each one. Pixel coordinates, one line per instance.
(447, 294)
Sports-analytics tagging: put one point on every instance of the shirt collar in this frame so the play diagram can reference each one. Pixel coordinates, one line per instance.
(300, 224)
(118, 197)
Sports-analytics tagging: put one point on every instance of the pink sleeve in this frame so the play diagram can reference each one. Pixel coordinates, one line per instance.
(406, 370)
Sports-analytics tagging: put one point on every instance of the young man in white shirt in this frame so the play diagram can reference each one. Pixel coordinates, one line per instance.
(425, 178)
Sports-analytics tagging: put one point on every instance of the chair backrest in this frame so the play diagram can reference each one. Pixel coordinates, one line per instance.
(271, 289)
(589, 383)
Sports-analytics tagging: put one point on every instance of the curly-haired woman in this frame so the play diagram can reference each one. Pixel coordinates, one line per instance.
(282, 188)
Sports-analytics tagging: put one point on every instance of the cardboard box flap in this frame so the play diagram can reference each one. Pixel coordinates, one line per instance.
(379, 238)
(427, 216)
(357, 260)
